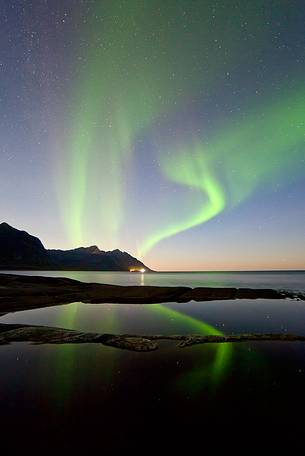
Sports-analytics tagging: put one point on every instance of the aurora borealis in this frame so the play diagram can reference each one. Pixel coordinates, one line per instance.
(173, 130)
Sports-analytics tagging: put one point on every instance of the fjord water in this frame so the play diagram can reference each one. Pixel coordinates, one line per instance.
(92, 396)
(292, 280)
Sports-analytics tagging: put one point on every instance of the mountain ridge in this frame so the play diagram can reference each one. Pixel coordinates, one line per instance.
(21, 250)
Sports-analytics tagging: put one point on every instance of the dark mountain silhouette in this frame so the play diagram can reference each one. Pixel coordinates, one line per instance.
(93, 259)
(20, 250)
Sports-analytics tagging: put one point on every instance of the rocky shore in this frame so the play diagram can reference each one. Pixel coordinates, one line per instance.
(139, 343)
(20, 292)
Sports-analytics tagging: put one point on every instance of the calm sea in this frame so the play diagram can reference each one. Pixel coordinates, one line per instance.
(294, 280)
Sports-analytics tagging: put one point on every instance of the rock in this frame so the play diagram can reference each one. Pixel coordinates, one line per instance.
(208, 294)
(126, 342)
(138, 343)
(18, 292)
(248, 293)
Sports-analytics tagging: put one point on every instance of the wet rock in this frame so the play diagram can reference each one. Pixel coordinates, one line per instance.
(134, 343)
(19, 292)
(248, 293)
(138, 343)
(208, 294)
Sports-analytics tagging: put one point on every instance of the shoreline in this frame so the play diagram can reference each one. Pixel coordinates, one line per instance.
(23, 292)
(38, 335)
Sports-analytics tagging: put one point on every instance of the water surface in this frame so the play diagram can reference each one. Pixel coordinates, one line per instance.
(95, 397)
(292, 280)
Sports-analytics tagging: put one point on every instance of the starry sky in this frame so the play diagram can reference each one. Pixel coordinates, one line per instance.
(173, 129)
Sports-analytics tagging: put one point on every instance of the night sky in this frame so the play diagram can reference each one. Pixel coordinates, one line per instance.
(174, 130)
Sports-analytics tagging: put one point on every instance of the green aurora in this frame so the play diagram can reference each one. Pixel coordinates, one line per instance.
(222, 353)
(211, 372)
(133, 77)
(135, 81)
(261, 150)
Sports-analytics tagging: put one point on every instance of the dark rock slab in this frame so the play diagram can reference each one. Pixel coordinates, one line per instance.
(194, 340)
(138, 343)
(248, 293)
(208, 294)
(20, 292)
(139, 294)
(129, 342)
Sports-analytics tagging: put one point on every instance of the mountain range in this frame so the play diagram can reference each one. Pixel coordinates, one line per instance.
(20, 250)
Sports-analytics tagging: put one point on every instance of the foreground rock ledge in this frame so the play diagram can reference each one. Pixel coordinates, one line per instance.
(19, 292)
(138, 343)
